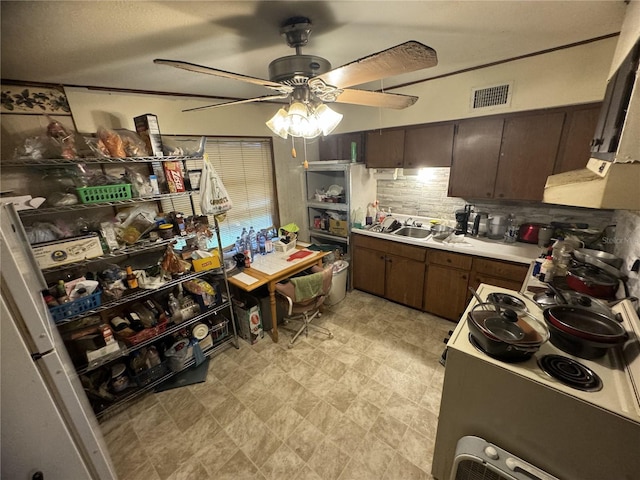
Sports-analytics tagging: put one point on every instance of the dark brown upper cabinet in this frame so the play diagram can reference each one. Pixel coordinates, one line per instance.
(385, 148)
(476, 152)
(428, 145)
(338, 146)
(579, 126)
(528, 154)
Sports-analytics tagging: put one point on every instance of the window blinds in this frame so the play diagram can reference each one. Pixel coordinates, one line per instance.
(246, 168)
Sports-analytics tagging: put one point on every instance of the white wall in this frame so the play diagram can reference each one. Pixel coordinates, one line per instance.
(570, 76)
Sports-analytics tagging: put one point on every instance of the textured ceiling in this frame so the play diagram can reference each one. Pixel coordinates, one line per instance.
(113, 43)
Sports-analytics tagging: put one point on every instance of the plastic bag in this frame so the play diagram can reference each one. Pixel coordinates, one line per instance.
(134, 146)
(214, 198)
(64, 137)
(140, 185)
(113, 142)
(37, 148)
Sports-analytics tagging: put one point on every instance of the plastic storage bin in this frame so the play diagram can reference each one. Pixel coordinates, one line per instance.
(61, 312)
(338, 283)
(104, 193)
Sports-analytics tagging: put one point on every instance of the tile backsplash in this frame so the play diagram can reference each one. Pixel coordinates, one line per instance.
(427, 197)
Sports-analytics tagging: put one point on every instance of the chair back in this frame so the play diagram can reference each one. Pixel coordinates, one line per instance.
(288, 289)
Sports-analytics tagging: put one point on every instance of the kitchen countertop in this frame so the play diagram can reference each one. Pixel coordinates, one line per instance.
(517, 252)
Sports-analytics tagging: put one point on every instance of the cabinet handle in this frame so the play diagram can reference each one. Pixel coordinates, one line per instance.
(501, 195)
(464, 277)
(488, 194)
(448, 260)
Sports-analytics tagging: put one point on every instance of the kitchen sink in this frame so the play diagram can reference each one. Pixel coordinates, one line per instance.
(413, 232)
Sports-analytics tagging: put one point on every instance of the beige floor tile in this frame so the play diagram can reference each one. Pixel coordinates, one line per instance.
(305, 439)
(362, 405)
(328, 460)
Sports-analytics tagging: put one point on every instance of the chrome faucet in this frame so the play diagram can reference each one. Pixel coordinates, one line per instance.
(408, 221)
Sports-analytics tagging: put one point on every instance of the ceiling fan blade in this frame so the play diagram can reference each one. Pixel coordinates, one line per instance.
(404, 58)
(192, 67)
(376, 99)
(238, 102)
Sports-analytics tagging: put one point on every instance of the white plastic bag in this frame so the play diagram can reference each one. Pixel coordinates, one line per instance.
(214, 198)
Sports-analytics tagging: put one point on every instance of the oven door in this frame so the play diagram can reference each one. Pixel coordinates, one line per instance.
(480, 460)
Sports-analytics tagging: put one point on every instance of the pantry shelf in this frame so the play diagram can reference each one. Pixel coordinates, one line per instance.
(87, 206)
(124, 350)
(28, 162)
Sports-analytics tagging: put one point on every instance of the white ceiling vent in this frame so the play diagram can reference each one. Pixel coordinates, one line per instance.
(492, 96)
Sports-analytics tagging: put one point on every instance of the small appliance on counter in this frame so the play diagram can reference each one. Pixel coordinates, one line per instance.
(462, 219)
(478, 224)
(529, 232)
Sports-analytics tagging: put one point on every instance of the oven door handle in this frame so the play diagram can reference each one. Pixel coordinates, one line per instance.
(516, 465)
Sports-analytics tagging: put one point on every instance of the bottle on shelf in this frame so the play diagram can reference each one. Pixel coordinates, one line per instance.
(135, 321)
(262, 243)
(62, 293)
(238, 245)
(269, 242)
(119, 323)
(174, 308)
(132, 280)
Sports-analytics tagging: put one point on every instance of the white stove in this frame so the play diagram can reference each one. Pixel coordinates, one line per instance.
(618, 393)
(568, 432)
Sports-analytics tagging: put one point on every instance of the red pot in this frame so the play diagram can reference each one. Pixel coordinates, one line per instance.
(592, 282)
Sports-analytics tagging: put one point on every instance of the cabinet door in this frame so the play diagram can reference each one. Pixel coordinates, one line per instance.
(476, 151)
(404, 281)
(428, 146)
(528, 154)
(328, 147)
(575, 145)
(368, 270)
(445, 292)
(384, 149)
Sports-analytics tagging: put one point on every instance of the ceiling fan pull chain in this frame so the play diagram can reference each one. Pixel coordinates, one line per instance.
(304, 143)
(293, 147)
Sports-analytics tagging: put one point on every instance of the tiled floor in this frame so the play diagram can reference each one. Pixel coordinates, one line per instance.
(362, 405)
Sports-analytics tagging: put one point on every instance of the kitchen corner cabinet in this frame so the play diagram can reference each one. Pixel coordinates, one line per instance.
(218, 318)
(359, 189)
(389, 269)
(338, 146)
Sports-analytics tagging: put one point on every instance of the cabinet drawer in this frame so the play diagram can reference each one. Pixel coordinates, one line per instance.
(495, 268)
(369, 242)
(450, 259)
(411, 252)
(389, 246)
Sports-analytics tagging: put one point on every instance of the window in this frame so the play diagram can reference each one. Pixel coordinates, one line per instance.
(246, 168)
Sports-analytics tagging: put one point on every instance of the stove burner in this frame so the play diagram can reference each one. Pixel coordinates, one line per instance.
(571, 373)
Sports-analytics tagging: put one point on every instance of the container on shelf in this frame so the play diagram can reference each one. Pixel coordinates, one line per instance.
(76, 307)
(104, 193)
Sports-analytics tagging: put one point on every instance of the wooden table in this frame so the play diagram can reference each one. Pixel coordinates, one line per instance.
(270, 278)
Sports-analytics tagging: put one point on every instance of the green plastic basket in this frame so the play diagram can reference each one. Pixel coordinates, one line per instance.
(104, 193)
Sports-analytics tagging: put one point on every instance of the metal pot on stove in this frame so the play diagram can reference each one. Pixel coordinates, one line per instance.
(592, 281)
(504, 333)
(582, 331)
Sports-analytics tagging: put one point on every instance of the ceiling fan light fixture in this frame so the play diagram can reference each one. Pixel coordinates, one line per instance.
(279, 123)
(298, 111)
(328, 119)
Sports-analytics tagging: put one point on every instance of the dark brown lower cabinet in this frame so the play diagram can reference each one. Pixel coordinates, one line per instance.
(404, 280)
(445, 293)
(368, 270)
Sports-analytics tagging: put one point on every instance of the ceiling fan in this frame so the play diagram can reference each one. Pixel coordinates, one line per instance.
(310, 80)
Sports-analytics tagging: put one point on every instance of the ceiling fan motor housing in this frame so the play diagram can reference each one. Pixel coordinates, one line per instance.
(296, 69)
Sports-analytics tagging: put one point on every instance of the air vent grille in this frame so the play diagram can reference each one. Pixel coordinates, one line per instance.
(493, 96)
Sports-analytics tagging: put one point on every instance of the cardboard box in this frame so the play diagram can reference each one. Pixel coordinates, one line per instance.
(173, 175)
(149, 130)
(338, 227)
(249, 319)
(200, 264)
(61, 252)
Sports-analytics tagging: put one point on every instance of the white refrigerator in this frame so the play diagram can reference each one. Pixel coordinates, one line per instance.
(48, 429)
